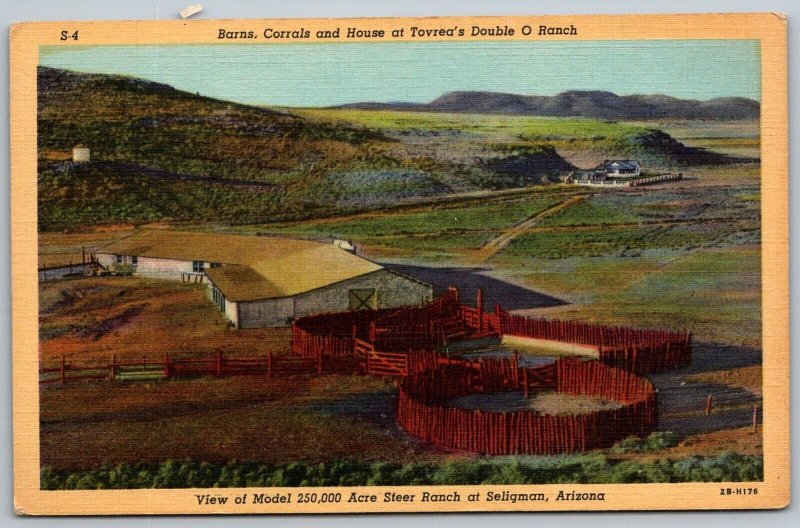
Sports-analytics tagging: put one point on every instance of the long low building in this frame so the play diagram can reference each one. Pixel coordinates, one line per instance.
(262, 281)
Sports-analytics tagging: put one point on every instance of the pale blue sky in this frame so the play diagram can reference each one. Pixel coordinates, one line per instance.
(312, 74)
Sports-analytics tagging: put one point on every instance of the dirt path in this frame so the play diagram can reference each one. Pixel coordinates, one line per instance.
(497, 244)
(423, 204)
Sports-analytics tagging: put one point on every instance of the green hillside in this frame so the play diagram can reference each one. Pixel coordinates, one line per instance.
(160, 154)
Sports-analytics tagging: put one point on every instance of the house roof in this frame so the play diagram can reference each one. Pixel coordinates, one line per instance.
(253, 267)
(622, 164)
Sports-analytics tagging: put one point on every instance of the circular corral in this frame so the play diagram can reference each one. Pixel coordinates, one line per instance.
(427, 407)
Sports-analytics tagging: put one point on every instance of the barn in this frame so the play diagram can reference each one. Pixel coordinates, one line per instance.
(259, 281)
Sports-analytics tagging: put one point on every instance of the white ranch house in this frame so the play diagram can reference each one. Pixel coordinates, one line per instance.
(621, 168)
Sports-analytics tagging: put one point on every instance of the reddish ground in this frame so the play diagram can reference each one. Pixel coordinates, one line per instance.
(90, 319)
(85, 424)
(741, 440)
(748, 378)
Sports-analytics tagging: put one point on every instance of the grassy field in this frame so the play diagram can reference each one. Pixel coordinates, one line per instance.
(737, 138)
(481, 217)
(530, 128)
(434, 233)
(714, 293)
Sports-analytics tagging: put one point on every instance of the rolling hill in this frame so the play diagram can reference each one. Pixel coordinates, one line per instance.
(160, 154)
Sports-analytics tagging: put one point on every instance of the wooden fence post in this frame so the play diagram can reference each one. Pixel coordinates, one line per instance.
(525, 382)
(709, 404)
(113, 374)
(63, 369)
(479, 306)
(455, 292)
(755, 418)
(319, 362)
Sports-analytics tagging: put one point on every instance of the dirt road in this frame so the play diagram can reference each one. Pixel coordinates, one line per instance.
(498, 243)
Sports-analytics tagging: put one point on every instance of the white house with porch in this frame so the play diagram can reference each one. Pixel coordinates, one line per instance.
(620, 168)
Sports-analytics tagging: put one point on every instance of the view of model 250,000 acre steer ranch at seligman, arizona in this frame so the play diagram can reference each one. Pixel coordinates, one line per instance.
(409, 263)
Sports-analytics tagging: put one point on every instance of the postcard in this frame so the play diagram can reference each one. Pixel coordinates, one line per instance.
(527, 263)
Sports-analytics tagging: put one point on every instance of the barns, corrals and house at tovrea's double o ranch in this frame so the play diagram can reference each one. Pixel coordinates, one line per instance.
(265, 281)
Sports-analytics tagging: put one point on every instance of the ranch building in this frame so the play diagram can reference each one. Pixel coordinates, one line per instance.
(610, 171)
(265, 281)
(620, 168)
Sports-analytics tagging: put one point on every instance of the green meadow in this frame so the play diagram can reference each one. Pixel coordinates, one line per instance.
(527, 127)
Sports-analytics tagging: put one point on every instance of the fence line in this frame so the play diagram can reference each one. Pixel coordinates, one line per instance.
(404, 343)
(433, 326)
(424, 413)
(633, 349)
(168, 367)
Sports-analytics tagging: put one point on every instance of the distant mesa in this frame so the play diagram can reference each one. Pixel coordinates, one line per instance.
(578, 103)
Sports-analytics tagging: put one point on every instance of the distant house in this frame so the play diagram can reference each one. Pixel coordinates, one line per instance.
(608, 172)
(261, 281)
(620, 168)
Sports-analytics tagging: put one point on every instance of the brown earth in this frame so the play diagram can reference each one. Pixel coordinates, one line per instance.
(541, 402)
(89, 320)
(748, 378)
(742, 440)
(86, 424)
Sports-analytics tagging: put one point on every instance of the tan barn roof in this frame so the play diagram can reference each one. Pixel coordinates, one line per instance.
(242, 283)
(253, 267)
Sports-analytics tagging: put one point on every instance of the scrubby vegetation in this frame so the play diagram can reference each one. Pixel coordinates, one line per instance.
(654, 442)
(159, 154)
(480, 215)
(728, 467)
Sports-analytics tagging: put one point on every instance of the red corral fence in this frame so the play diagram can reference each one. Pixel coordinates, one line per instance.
(424, 409)
(634, 349)
(217, 364)
(409, 344)
(381, 335)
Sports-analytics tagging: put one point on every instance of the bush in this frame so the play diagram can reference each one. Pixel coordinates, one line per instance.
(627, 445)
(661, 440)
(728, 467)
(654, 442)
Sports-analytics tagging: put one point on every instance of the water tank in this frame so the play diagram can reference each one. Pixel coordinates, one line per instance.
(80, 154)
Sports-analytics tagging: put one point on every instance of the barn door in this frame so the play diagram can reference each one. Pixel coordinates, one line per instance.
(363, 299)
